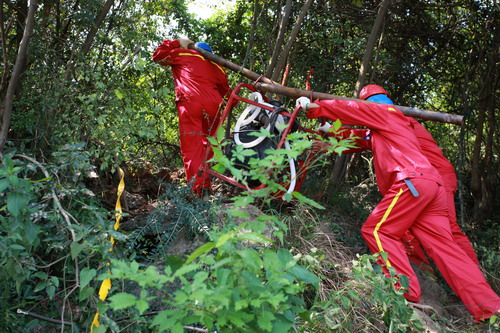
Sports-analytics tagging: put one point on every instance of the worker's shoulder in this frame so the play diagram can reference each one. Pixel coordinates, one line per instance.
(193, 54)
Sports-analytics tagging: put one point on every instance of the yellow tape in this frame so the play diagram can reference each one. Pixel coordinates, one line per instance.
(106, 284)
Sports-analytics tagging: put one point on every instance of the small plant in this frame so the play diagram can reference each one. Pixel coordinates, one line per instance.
(44, 248)
(221, 286)
(368, 302)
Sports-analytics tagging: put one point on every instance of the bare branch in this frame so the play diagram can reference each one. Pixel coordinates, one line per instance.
(47, 319)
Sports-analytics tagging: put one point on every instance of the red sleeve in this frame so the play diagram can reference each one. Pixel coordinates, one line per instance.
(164, 54)
(373, 115)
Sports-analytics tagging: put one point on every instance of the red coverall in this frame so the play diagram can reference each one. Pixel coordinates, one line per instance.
(397, 157)
(200, 86)
(435, 156)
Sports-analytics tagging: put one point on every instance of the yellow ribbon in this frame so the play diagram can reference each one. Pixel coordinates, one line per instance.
(106, 284)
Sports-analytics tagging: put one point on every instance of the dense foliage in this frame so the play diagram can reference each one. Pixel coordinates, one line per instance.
(86, 99)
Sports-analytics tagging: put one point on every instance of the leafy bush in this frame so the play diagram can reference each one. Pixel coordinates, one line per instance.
(367, 302)
(51, 227)
(221, 286)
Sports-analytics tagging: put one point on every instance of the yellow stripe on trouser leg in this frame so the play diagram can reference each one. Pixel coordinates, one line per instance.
(377, 227)
(106, 284)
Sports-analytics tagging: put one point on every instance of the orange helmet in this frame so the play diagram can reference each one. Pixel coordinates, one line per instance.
(370, 90)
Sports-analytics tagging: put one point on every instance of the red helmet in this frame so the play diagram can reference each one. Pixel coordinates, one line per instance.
(370, 90)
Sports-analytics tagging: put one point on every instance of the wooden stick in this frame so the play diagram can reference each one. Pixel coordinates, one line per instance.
(265, 84)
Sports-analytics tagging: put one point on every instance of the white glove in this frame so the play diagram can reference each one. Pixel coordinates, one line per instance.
(185, 42)
(302, 101)
(325, 127)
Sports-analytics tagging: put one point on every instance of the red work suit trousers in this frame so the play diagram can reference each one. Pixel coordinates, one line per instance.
(197, 120)
(427, 218)
(415, 252)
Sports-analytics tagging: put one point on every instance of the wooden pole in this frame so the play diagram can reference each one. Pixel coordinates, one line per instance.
(265, 84)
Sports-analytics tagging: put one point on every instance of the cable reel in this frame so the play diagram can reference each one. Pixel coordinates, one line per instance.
(252, 120)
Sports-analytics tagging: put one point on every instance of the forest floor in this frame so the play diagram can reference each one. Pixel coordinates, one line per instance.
(439, 310)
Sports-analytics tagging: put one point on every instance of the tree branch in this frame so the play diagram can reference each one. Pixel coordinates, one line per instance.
(280, 38)
(16, 74)
(47, 319)
(286, 50)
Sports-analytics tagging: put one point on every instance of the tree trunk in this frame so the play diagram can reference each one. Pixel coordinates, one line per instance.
(365, 63)
(93, 31)
(342, 161)
(4, 50)
(248, 52)
(16, 74)
(90, 36)
(279, 40)
(483, 173)
(282, 60)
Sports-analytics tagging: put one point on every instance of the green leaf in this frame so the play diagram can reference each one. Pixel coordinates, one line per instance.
(40, 286)
(336, 125)
(31, 231)
(303, 274)
(306, 200)
(122, 300)
(86, 275)
(239, 214)
(16, 247)
(118, 94)
(85, 293)
(16, 202)
(55, 281)
(41, 275)
(265, 320)
(185, 269)
(282, 324)
(254, 237)
(223, 239)
(51, 290)
(142, 306)
(4, 183)
(76, 248)
(199, 251)
(243, 201)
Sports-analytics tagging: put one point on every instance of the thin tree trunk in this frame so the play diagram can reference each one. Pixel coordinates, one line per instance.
(16, 74)
(481, 187)
(90, 36)
(280, 65)
(93, 31)
(4, 49)
(365, 63)
(281, 37)
(342, 161)
(252, 33)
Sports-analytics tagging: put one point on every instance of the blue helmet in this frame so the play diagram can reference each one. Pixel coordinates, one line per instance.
(205, 46)
(380, 98)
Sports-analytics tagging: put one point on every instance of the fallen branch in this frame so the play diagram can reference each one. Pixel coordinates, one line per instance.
(47, 319)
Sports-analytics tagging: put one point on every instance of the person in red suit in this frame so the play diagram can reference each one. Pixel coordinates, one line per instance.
(414, 199)
(431, 150)
(200, 89)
